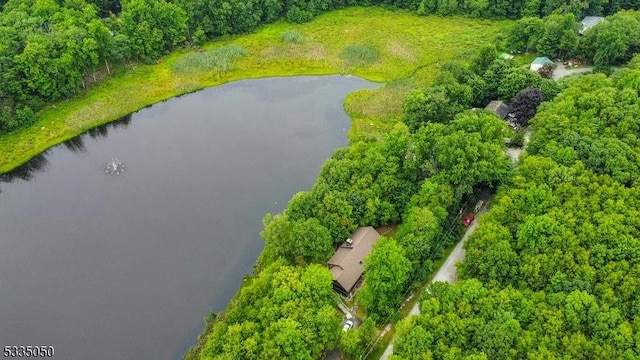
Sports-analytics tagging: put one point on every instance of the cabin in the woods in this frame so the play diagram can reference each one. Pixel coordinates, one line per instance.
(347, 264)
(499, 108)
(590, 21)
(539, 62)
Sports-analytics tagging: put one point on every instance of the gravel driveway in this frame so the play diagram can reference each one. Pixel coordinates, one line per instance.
(448, 272)
(561, 71)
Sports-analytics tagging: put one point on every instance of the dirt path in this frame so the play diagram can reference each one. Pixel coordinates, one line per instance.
(514, 153)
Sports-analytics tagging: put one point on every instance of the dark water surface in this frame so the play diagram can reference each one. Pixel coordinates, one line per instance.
(127, 267)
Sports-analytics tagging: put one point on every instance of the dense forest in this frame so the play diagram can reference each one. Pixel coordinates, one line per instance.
(51, 50)
(552, 271)
(284, 313)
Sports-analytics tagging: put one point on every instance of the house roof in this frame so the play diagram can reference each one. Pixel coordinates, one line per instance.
(499, 108)
(541, 60)
(589, 22)
(347, 264)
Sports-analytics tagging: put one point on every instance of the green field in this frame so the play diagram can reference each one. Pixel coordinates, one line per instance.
(405, 51)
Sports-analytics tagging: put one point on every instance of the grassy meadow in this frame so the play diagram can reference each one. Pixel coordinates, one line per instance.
(398, 48)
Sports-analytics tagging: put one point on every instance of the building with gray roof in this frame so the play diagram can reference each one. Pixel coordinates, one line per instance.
(590, 21)
(499, 108)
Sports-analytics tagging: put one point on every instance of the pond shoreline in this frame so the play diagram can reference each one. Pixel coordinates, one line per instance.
(27, 156)
(397, 35)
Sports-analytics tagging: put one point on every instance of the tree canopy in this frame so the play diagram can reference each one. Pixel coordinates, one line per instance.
(525, 104)
(460, 86)
(553, 268)
(285, 313)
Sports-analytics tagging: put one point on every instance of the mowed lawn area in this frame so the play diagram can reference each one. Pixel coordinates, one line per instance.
(403, 50)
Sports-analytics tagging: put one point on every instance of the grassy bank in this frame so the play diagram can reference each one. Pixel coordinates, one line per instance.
(403, 43)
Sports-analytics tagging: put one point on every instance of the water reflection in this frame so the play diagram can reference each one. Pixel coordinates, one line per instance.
(103, 130)
(39, 163)
(76, 144)
(25, 172)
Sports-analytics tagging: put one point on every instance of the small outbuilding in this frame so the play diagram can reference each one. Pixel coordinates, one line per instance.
(347, 264)
(590, 21)
(539, 62)
(499, 108)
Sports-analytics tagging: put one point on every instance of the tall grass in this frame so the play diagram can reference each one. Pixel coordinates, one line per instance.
(360, 55)
(292, 36)
(221, 59)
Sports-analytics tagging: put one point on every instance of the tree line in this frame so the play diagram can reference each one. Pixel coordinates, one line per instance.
(613, 41)
(499, 9)
(50, 50)
(553, 269)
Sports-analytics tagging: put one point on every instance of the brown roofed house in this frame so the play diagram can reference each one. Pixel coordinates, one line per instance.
(347, 264)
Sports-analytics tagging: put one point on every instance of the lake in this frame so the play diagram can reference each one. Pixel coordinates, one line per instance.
(107, 266)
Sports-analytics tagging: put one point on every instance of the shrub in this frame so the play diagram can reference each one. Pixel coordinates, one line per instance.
(21, 118)
(25, 116)
(292, 36)
(6, 117)
(199, 37)
(220, 60)
(546, 71)
(635, 62)
(296, 15)
(517, 140)
(360, 54)
(525, 105)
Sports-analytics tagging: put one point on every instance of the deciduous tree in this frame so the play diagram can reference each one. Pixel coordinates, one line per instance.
(386, 274)
(525, 104)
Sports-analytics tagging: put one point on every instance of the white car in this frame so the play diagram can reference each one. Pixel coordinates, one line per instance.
(347, 325)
